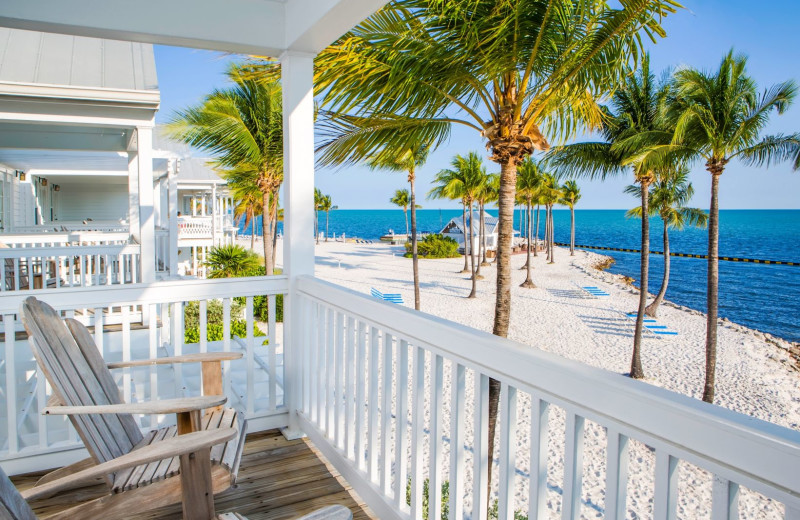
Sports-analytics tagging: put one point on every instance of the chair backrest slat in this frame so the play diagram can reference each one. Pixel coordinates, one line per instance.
(12, 505)
(75, 381)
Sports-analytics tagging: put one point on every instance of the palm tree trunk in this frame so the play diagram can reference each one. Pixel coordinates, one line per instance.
(466, 240)
(483, 232)
(405, 214)
(637, 372)
(474, 291)
(536, 243)
(265, 233)
(713, 290)
(316, 225)
(528, 283)
(414, 256)
(552, 237)
(477, 267)
(652, 309)
(572, 231)
(502, 307)
(253, 234)
(327, 219)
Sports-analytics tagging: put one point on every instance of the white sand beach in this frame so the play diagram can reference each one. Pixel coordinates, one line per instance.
(755, 373)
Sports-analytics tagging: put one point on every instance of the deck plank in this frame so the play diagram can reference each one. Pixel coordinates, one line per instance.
(278, 480)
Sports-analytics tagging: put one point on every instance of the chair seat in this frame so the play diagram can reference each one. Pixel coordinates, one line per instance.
(227, 455)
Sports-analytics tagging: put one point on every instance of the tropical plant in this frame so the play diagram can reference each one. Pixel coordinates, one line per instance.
(529, 187)
(247, 204)
(668, 198)
(402, 199)
(318, 196)
(486, 192)
(463, 181)
(519, 72)
(718, 117)
(435, 245)
(397, 155)
(242, 126)
(230, 261)
(570, 195)
(633, 112)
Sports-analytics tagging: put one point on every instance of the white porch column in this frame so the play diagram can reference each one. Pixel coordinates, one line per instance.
(172, 189)
(133, 192)
(297, 74)
(147, 232)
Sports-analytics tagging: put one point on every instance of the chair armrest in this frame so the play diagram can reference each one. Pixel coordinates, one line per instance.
(189, 443)
(186, 404)
(187, 358)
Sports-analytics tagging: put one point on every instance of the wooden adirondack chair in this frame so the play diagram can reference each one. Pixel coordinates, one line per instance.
(14, 505)
(84, 389)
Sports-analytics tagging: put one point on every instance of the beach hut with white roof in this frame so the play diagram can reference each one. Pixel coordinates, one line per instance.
(455, 230)
(367, 382)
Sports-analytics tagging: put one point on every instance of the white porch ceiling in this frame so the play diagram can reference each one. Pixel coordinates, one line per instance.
(73, 166)
(266, 27)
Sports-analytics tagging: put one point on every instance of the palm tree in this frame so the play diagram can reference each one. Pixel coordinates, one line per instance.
(633, 112)
(402, 198)
(248, 202)
(318, 201)
(515, 71)
(242, 126)
(230, 261)
(529, 185)
(465, 181)
(400, 155)
(668, 198)
(486, 192)
(719, 117)
(571, 194)
(550, 194)
(326, 205)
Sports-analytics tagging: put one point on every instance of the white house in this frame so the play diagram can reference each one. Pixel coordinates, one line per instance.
(363, 379)
(455, 230)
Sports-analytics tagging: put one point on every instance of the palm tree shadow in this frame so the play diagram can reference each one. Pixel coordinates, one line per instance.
(608, 326)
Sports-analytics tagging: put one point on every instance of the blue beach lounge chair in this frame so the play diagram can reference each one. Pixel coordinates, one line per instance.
(389, 297)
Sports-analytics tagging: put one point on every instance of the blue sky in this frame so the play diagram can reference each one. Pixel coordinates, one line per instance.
(698, 36)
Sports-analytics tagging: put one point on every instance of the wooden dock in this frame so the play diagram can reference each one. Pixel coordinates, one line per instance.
(278, 480)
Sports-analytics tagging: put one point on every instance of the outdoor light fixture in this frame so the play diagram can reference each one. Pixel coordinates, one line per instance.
(56, 187)
(21, 175)
(44, 182)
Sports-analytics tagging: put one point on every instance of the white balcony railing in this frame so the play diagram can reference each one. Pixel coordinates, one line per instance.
(74, 227)
(58, 267)
(393, 397)
(194, 227)
(71, 238)
(141, 322)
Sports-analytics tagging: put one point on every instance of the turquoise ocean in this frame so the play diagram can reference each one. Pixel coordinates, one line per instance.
(763, 297)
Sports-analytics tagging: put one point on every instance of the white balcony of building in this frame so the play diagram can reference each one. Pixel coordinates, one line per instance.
(394, 400)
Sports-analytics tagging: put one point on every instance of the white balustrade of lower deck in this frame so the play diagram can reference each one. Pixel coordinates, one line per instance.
(393, 398)
(142, 322)
(59, 266)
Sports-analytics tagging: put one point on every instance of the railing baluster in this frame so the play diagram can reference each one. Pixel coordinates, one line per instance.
(417, 432)
(401, 425)
(537, 491)
(177, 345)
(435, 438)
(349, 383)
(41, 399)
(508, 452)
(792, 513)
(372, 413)
(724, 499)
(480, 448)
(126, 353)
(573, 467)
(107, 268)
(17, 274)
(152, 329)
(330, 371)
(272, 347)
(11, 382)
(320, 369)
(203, 310)
(386, 416)
(250, 357)
(616, 475)
(457, 415)
(361, 375)
(226, 342)
(338, 383)
(665, 498)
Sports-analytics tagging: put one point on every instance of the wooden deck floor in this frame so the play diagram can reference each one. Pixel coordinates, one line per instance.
(278, 479)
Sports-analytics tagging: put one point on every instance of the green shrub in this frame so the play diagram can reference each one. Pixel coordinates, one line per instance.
(435, 246)
(215, 317)
(492, 513)
(261, 303)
